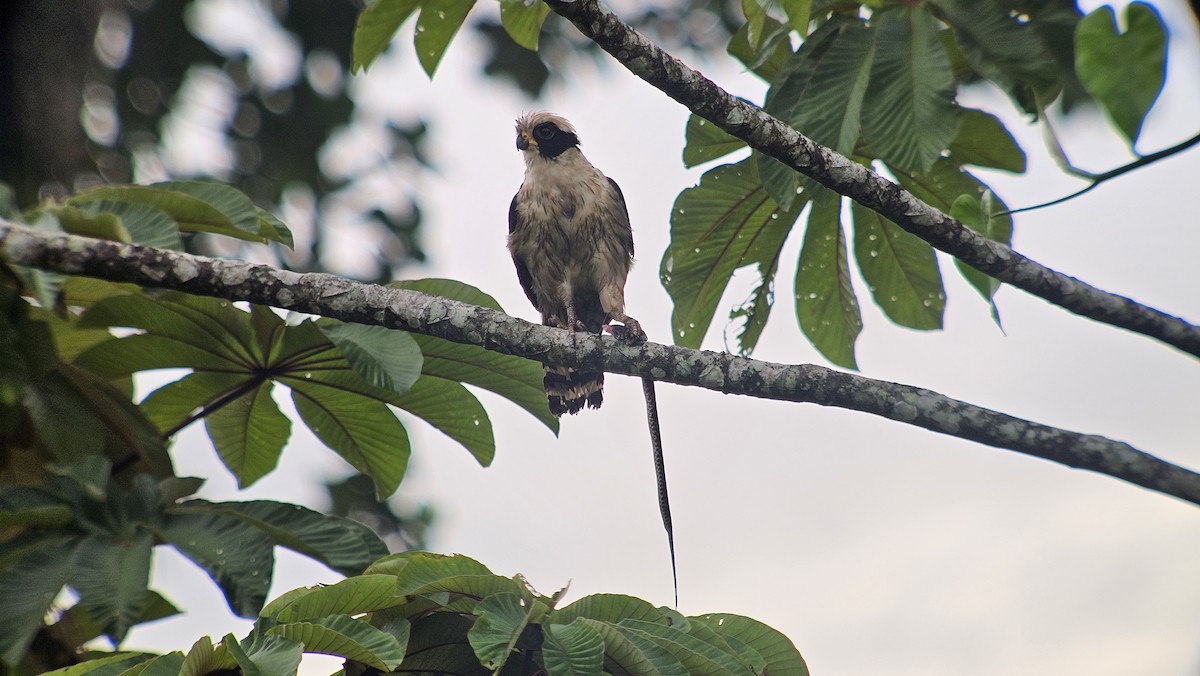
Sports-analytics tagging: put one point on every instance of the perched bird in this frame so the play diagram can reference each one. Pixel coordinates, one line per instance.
(570, 238)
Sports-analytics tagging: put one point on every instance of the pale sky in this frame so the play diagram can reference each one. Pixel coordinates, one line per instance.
(878, 548)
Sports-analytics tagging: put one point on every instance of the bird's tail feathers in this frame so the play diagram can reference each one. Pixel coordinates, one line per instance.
(569, 390)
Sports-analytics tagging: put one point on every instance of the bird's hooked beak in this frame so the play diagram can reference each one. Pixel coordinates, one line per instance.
(524, 140)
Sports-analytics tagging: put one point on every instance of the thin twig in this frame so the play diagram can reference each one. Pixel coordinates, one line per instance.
(1097, 179)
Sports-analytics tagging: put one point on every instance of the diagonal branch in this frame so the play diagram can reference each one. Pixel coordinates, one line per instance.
(332, 296)
(779, 140)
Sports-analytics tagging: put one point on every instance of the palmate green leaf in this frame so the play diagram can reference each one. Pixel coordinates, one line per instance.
(438, 645)
(451, 408)
(360, 429)
(206, 325)
(514, 378)
(265, 655)
(984, 141)
(820, 93)
(77, 626)
(112, 586)
(195, 206)
(501, 619)
(761, 45)
(144, 224)
(76, 414)
(387, 359)
(432, 566)
(249, 433)
(352, 596)
(28, 586)
(1006, 50)
(825, 302)
(900, 269)
(90, 223)
(611, 608)
(347, 637)
(782, 658)
(236, 355)
(376, 26)
(572, 650)
(203, 659)
(522, 20)
(436, 26)
(169, 664)
(344, 545)
(174, 405)
(909, 116)
(725, 223)
(743, 653)
(108, 665)
(629, 652)
(971, 213)
(940, 188)
(234, 553)
(1124, 72)
(697, 656)
(705, 141)
(798, 13)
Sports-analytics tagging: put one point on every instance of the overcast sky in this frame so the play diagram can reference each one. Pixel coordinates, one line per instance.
(876, 547)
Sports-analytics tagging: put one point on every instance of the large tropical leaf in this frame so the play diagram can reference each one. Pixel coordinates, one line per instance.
(436, 26)
(573, 649)
(705, 141)
(909, 116)
(901, 271)
(941, 187)
(517, 379)
(1123, 71)
(377, 25)
(984, 141)
(725, 223)
(782, 658)
(825, 302)
(523, 21)
(345, 636)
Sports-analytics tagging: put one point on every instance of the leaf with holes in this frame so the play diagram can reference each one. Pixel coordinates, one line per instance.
(726, 222)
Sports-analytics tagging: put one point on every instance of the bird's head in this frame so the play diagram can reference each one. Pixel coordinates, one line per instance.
(545, 134)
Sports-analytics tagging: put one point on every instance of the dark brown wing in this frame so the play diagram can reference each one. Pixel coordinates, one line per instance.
(624, 210)
(514, 222)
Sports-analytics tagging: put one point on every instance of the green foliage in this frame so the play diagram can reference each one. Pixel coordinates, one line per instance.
(1123, 71)
(102, 549)
(436, 26)
(376, 26)
(878, 82)
(421, 612)
(825, 302)
(86, 485)
(523, 21)
(725, 223)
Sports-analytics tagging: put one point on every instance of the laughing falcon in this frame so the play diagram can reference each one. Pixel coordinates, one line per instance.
(570, 238)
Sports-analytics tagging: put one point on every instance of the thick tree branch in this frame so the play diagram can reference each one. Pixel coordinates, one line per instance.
(779, 140)
(351, 301)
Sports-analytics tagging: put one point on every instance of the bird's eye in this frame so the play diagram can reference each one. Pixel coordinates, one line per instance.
(545, 131)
